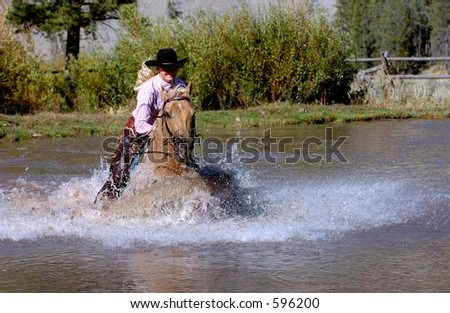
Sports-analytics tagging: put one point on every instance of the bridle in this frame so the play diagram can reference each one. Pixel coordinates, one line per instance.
(163, 115)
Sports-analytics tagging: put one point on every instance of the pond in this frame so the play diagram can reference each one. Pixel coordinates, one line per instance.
(360, 207)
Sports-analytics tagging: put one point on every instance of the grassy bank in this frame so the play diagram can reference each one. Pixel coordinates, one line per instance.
(16, 127)
(23, 127)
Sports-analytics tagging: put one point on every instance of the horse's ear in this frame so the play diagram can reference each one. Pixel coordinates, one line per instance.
(188, 89)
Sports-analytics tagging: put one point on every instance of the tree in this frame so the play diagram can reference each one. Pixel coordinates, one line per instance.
(354, 17)
(342, 14)
(172, 10)
(440, 22)
(391, 27)
(401, 27)
(419, 18)
(64, 15)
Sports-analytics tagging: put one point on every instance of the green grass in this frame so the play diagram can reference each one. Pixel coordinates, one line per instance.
(18, 127)
(290, 114)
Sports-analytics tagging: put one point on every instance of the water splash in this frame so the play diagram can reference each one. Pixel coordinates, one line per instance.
(192, 210)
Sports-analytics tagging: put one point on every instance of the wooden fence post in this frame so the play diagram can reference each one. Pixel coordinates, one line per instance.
(386, 66)
(385, 63)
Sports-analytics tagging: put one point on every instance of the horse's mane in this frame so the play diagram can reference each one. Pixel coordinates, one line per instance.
(178, 91)
(144, 74)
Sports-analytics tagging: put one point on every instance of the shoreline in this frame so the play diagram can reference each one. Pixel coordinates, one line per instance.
(15, 128)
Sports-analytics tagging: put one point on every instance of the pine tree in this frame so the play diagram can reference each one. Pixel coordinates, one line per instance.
(64, 15)
(172, 9)
(401, 27)
(440, 21)
(342, 14)
(391, 27)
(353, 17)
(420, 27)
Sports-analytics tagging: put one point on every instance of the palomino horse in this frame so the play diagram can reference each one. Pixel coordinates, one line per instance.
(168, 149)
(167, 154)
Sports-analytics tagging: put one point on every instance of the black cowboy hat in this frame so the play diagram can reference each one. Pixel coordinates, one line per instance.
(166, 58)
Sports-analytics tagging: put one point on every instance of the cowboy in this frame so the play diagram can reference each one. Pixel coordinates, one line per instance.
(148, 100)
(139, 127)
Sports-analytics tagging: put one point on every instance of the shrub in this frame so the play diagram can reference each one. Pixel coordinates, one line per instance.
(290, 53)
(99, 82)
(237, 59)
(24, 86)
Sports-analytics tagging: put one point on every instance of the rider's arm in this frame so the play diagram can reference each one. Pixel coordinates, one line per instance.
(143, 112)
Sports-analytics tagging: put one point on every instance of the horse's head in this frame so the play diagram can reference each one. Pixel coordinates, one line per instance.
(178, 120)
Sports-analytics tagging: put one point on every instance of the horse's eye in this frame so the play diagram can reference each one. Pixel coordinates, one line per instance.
(167, 114)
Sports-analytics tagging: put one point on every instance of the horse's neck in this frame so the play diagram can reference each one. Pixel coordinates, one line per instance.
(161, 140)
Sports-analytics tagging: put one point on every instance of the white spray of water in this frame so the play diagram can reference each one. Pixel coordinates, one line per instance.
(173, 211)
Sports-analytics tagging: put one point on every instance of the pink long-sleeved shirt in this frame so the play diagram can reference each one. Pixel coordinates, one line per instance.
(149, 102)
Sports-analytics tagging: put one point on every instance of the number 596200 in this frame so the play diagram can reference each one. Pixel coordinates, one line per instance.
(298, 303)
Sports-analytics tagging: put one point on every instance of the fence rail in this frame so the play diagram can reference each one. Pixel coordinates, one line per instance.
(385, 66)
(414, 59)
(406, 76)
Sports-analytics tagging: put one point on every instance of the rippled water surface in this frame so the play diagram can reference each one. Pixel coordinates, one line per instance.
(379, 222)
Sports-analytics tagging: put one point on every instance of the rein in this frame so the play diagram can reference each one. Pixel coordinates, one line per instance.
(171, 100)
(162, 115)
(184, 98)
(161, 152)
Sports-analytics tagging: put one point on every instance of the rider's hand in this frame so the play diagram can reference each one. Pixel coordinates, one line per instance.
(150, 134)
